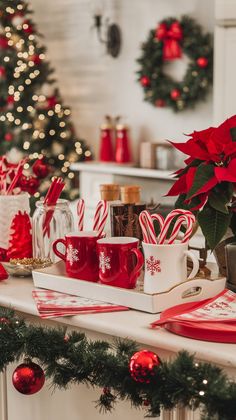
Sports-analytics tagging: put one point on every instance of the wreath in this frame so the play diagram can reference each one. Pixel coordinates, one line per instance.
(169, 41)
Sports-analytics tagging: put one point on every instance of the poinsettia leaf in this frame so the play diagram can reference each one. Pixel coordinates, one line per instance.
(214, 225)
(233, 133)
(203, 174)
(180, 202)
(218, 202)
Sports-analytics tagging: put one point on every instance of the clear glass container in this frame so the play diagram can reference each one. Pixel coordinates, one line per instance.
(50, 223)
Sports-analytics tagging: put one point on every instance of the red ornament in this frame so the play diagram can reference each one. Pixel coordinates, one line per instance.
(3, 42)
(51, 101)
(2, 72)
(3, 254)
(175, 94)
(27, 27)
(145, 81)
(160, 103)
(142, 365)
(8, 137)
(20, 243)
(4, 320)
(35, 58)
(202, 62)
(10, 101)
(29, 184)
(171, 37)
(40, 169)
(28, 378)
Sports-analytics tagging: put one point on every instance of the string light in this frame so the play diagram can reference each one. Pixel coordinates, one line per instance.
(87, 153)
(36, 72)
(19, 6)
(31, 63)
(35, 97)
(25, 126)
(7, 28)
(77, 144)
(25, 26)
(52, 132)
(35, 155)
(201, 393)
(67, 164)
(11, 90)
(2, 118)
(61, 157)
(26, 166)
(41, 116)
(17, 121)
(8, 34)
(71, 175)
(21, 88)
(30, 108)
(63, 135)
(10, 10)
(6, 59)
(10, 43)
(62, 124)
(37, 194)
(42, 56)
(64, 169)
(31, 37)
(19, 109)
(67, 112)
(205, 381)
(50, 113)
(42, 136)
(26, 146)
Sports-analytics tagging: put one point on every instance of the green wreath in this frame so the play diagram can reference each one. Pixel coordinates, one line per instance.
(167, 42)
(118, 369)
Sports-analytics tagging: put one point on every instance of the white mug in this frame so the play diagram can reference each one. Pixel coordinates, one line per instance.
(166, 266)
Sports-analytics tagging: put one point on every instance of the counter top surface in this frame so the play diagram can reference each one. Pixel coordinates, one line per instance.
(17, 293)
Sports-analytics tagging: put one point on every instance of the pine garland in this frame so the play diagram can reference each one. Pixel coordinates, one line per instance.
(71, 358)
(160, 89)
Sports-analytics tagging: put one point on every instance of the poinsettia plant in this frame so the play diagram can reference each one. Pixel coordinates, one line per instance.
(207, 184)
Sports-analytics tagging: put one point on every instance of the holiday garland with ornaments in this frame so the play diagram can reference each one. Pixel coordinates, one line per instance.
(33, 120)
(170, 40)
(121, 370)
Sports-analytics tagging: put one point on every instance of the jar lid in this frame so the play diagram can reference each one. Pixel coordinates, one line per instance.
(106, 126)
(130, 188)
(122, 127)
(109, 187)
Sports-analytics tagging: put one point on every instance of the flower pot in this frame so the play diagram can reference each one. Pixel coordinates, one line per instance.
(219, 252)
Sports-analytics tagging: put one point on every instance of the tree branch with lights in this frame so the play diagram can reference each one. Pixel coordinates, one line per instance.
(33, 120)
(121, 370)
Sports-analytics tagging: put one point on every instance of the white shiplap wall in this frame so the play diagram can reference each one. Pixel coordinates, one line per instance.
(94, 84)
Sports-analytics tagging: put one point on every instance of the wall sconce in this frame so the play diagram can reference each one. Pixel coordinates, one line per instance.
(108, 34)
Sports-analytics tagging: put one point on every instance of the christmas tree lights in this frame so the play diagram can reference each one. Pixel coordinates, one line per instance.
(33, 120)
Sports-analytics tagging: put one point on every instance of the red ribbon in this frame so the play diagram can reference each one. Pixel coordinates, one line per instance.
(171, 37)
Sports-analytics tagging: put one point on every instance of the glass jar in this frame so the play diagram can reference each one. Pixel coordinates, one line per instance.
(50, 223)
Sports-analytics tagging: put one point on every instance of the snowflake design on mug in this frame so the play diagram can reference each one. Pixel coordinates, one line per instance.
(153, 265)
(104, 262)
(72, 254)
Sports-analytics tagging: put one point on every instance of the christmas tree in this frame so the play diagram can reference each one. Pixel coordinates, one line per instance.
(33, 120)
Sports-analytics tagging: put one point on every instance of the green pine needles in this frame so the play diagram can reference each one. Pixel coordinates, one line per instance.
(70, 358)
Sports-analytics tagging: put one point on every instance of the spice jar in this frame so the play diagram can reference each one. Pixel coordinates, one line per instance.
(122, 153)
(125, 216)
(106, 153)
(111, 194)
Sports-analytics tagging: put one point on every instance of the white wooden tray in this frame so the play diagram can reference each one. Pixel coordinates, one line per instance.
(54, 278)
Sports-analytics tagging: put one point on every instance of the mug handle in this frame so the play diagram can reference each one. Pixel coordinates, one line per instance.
(195, 264)
(55, 250)
(139, 264)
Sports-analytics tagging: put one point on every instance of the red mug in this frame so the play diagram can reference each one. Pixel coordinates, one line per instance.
(80, 255)
(120, 261)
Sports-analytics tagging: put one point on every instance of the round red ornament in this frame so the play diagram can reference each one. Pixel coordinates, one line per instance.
(35, 58)
(28, 378)
(142, 365)
(29, 184)
(145, 81)
(8, 137)
(175, 94)
(202, 62)
(51, 101)
(40, 168)
(2, 72)
(10, 101)
(3, 42)
(160, 103)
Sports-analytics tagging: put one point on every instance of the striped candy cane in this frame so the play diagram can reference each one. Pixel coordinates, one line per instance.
(80, 213)
(182, 219)
(100, 216)
(169, 219)
(146, 223)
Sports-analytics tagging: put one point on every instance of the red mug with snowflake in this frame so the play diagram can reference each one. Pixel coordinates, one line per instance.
(80, 254)
(120, 261)
(166, 266)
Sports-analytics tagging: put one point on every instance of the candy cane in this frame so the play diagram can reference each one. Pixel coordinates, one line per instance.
(159, 218)
(179, 222)
(169, 219)
(146, 223)
(100, 217)
(80, 213)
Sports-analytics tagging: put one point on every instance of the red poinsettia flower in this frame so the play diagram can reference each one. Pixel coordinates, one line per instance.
(212, 160)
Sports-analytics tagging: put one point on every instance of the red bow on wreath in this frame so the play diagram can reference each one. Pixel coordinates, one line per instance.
(170, 36)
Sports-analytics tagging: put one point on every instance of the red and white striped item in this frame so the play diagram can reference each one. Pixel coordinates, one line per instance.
(80, 213)
(209, 320)
(100, 217)
(168, 220)
(55, 304)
